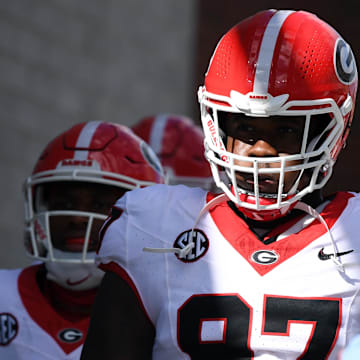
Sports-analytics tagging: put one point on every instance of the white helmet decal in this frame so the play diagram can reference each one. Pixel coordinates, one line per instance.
(344, 60)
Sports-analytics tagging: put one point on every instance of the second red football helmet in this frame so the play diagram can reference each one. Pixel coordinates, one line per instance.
(106, 155)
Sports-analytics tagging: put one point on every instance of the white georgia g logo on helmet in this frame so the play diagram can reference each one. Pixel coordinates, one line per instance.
(344, 60)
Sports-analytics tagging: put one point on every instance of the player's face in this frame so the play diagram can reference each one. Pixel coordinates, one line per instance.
(275, 136)
(68, 232)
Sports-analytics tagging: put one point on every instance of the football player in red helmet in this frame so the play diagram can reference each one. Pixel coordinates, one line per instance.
(268, 269)
(300, 103)
(74, 184)
(179, 144)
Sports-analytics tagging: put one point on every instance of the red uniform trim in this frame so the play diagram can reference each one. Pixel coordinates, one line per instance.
(244, 241)
(41, 311)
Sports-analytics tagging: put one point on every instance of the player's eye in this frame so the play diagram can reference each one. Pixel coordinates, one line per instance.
(247, 129)
(100, 207)
(244, 132)
(288, 130)
(60, 204)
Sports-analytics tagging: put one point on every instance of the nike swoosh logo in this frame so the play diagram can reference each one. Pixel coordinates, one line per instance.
(74, 283)
(323, 256)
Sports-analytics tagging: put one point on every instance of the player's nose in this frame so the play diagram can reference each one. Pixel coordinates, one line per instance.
(262, 149)
(78, 220)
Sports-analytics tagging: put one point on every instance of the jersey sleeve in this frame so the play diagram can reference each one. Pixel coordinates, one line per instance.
(151, 217)
(113, 244)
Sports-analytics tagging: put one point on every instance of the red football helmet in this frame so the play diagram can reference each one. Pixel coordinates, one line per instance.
(108, 155)
(279, 63)
(179, 144)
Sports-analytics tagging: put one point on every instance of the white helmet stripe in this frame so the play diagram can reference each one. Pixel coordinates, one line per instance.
(84, 139)
(157, 133)
(267, 47)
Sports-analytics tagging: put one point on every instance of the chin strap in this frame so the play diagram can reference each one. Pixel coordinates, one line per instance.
(312, 212)
(182, 253)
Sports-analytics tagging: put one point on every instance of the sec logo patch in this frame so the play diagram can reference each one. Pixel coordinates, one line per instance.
(8, 328)
(201, 244)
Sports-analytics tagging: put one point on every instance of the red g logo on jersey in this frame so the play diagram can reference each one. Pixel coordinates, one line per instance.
(199, 239)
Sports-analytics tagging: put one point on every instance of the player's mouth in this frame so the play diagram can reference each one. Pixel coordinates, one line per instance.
(266, 184)
(74, 244)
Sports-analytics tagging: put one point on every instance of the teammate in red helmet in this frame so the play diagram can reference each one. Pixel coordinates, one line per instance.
(45, 308)
(179, 144)
(269, 268)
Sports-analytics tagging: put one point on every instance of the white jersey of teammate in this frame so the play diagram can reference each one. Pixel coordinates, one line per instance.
(30, 329)
(233, 296)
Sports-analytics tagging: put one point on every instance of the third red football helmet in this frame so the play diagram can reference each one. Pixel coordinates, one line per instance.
(179, 144)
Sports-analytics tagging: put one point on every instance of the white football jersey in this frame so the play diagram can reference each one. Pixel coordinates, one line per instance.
(234, 297)
(30, 328)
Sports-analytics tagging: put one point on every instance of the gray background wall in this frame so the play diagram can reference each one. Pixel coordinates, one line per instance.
(64, 61)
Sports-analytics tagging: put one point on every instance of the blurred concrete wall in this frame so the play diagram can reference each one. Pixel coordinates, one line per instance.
(64, 61)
